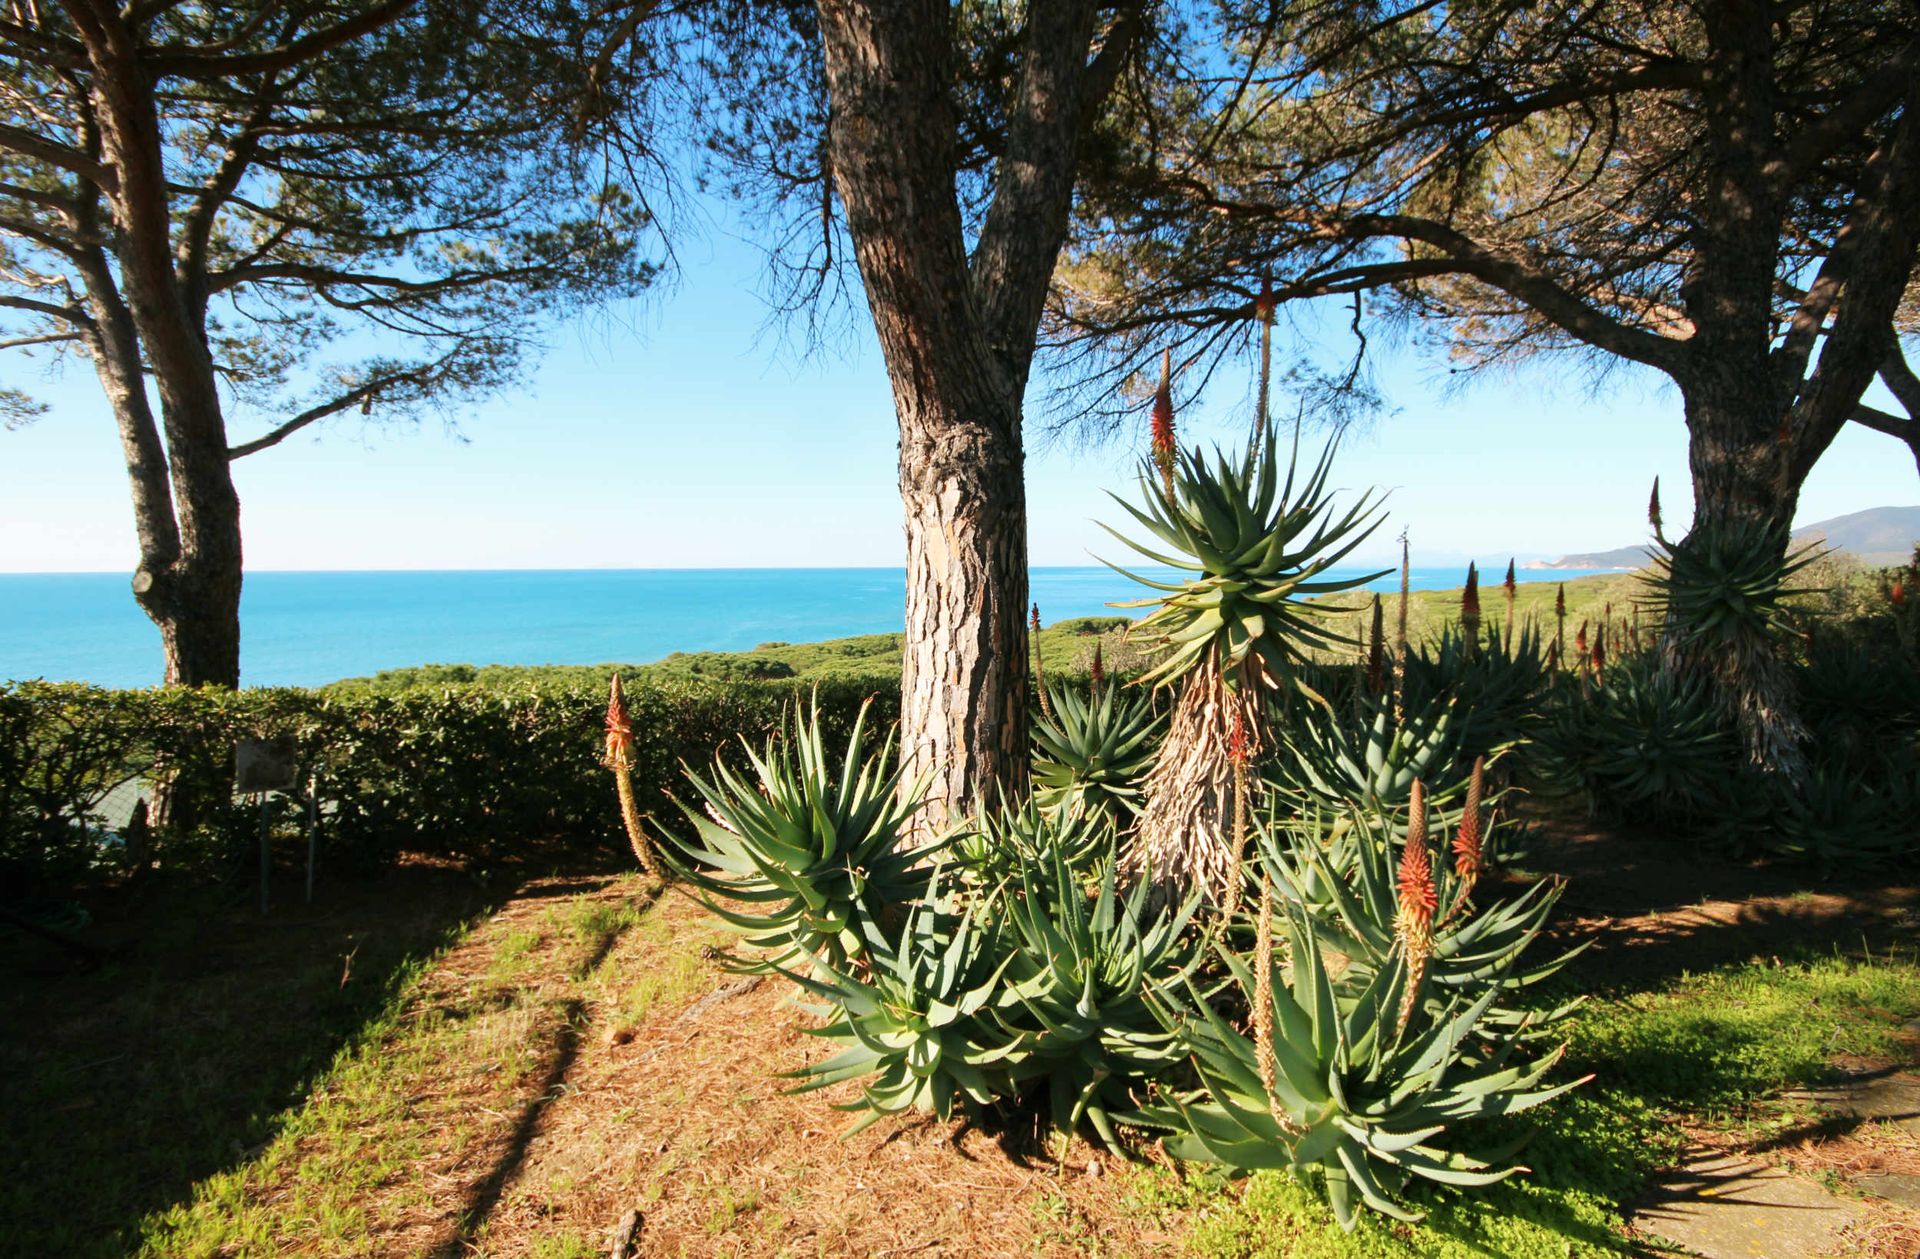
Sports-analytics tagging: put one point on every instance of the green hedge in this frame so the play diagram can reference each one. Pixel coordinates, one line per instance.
(466, 771)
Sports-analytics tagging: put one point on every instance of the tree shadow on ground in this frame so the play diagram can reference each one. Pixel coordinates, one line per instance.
(176, 1056)
(1659, 907)
(485, 1195)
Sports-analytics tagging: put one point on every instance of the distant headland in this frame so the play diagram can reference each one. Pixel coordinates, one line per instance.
(1878, 536)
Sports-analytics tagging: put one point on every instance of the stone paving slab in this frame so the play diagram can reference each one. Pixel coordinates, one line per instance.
(1720, 1206)
(1899, 1187)
(1889, 1097)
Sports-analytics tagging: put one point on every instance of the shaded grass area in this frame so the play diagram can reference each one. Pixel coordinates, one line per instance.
(179, 1055)
(508, 1085)
(408, 1141)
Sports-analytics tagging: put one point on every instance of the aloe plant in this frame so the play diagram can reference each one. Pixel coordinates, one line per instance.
(1004, 844)
(1842, 818)
(911, 1028)
(1257, 547)
(1724, 594)
(1374, 760)
(1722, 586)
(1076, 988)
(1369, 1107)
(809, 858)
(1346, 872)
(1645, 741)
(1495, 686)
(1089, 754)
(1230, 636)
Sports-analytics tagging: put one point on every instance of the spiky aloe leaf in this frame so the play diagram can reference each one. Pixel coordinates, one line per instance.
(912, 1029)
(1258, 548)
(1080, 967)
(805, 856)
(1090, 754)
(1367, 1108)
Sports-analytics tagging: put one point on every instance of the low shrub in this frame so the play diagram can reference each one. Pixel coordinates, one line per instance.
(470, 771)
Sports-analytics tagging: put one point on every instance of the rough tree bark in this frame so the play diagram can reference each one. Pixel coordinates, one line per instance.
(186, 512)
(958, 335)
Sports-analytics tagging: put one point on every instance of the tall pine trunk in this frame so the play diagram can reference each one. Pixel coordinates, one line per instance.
(190, 573)
(964, 676)
(1745, 487)
(958, 334)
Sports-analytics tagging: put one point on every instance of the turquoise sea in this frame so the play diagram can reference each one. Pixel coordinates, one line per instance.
(304, 629)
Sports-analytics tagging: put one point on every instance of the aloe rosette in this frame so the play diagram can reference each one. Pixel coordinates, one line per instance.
(807, 857)
(1010, 842)
(1257, 547)
(1374, 760)
(1366, 1106)
(1090, 754)
(1075, 995)
(1348, 878)
(910, 1028)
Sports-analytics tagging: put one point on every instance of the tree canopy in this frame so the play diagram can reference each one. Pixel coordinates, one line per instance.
(278, 213)
(1651, 185)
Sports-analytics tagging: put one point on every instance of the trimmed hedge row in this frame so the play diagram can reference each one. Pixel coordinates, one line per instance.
(469, 772)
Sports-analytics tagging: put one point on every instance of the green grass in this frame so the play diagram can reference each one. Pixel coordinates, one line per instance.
(433, 1072)
(181, 1055)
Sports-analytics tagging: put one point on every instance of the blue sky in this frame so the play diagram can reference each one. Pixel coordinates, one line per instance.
(679, 433)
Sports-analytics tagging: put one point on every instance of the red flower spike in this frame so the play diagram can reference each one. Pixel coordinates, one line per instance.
(1466, 840)
(1653, 508)
(1511, 586)
(1418, 896)
(1240, 743)
(1898, 595)
(1165, 449)
(619, 728)
(1419, 899)
(1263, 305)
(1098, 673)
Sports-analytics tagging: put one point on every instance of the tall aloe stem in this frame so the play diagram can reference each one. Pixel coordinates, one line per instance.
(1400, 622)
(1263, 311)
(619, 759)
(1559, 625)
(1039, 668)
(1512, 591)
(1263, 1055)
